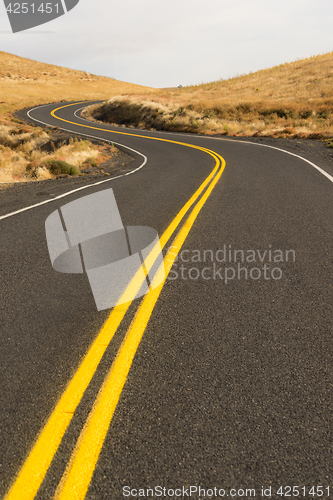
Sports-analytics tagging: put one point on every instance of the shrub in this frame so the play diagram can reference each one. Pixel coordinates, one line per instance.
(32, 168)
(60, 167)
(90, 162)
(289, 130)
(306, 113)
(20, 130)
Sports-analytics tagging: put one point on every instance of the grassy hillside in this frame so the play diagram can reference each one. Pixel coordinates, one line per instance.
(290, 100)
(24, 83)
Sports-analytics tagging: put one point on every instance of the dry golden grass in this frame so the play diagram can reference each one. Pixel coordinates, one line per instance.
(25, 83)
(290, 100)
(22, 159)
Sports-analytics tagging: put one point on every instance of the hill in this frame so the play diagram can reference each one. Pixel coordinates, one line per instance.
(24, 83)
(291, 100)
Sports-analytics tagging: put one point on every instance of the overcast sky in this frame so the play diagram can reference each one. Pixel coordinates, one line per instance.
(179, 41)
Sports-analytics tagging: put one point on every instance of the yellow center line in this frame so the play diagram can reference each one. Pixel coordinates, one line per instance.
(53, 113)
(79, 471)
(41, 455)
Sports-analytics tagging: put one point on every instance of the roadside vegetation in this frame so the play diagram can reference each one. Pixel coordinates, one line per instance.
(293, 100)
(29, 153)
(26, 152)
(25, 83)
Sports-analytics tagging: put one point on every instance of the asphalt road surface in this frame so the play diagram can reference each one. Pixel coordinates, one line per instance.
(219, 380)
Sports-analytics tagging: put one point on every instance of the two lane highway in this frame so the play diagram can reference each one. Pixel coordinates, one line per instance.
(224, 375)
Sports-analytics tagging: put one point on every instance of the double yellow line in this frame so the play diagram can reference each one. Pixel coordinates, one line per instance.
(76, 479)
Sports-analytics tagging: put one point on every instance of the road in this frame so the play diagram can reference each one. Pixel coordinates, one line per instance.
(226, 371)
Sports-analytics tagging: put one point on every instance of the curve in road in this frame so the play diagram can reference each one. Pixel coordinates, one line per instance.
(248, 353)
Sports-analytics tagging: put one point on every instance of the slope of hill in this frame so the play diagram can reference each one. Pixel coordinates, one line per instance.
(25, 83)
(290, 100)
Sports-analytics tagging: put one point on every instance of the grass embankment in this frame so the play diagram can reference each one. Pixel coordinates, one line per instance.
(29, 153)
(24, 151)
(290, 100)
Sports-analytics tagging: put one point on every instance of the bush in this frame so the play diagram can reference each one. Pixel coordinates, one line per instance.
(289, 130)
(306, 113)
(90, 162)
(59, 167)
(19, 131)
(32, 168)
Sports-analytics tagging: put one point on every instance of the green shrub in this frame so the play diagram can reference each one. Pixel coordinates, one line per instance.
(59, 167)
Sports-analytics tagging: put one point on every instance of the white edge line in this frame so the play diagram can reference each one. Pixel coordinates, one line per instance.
(82, 187)
(323, 172)
(289, 153)
(330, 177)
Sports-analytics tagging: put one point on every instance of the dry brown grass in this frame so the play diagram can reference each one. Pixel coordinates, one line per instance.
(22, 157)
(290, 100)
(25, 83)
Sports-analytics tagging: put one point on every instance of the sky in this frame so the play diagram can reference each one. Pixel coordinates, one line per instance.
(179, 42)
